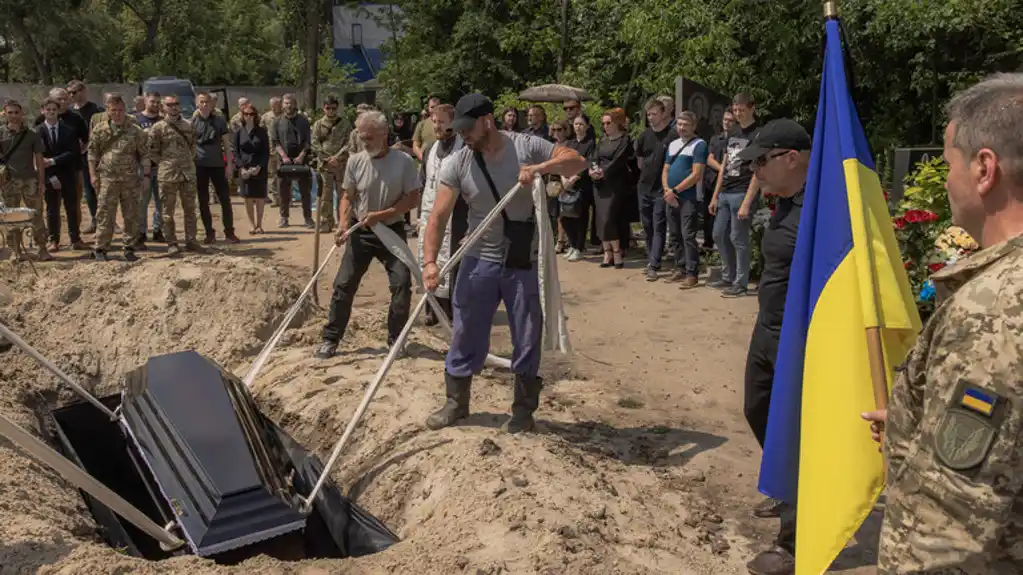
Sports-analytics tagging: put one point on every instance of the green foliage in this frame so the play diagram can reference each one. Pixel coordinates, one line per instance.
(925, 190)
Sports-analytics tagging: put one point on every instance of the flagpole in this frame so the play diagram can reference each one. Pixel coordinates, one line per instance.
(875, 347)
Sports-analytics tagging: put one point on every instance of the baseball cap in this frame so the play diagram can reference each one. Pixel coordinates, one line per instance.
(781, 134)
(470, 108)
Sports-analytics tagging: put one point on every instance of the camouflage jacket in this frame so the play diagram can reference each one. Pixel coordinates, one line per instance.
(173, 151)
(117, 152)
(327, 140)
(268, 120)
(954, 436)
(102, 118)
(355, 144)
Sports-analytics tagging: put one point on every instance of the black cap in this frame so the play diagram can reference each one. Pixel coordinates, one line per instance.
(782, 134)
(470, 108)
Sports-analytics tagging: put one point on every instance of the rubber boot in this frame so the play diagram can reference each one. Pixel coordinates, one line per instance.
(527, 399)
(457, 405)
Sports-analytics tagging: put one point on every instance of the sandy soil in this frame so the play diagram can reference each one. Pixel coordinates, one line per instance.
(643, 462)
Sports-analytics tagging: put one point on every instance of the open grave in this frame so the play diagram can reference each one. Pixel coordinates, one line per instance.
(593, 492)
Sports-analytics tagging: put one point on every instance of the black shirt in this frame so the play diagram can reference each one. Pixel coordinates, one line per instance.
(778, 247)
(738, 174)
(87, 111)
(716, 147)
(650, 147)
(293, 134)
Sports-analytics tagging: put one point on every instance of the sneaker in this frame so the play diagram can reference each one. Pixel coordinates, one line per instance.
(54, 246)
(232, 239)
(328, 349)
(651, 274)
(575, 256)
(100, 256)
(283, 223)
(309, 224)
(193, 246)
(210, 239)
(733, 291)
(718, 284)
(689, 283)
(677, 276)
(81, 246)
(129, 256)
(173, 249)
(158, 236)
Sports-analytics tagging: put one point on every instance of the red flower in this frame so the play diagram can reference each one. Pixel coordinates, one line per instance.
(899, 223)
(935, 266)
(906, 264)
(919, 216)
(886, 196)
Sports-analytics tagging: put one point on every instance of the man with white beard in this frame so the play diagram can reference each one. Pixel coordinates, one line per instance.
(447, 143)
(380, 185)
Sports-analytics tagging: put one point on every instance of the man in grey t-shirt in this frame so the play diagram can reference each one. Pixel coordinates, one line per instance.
(380, 186)
(487, 275)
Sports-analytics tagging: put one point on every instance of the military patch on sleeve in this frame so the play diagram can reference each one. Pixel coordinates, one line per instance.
(969, 426)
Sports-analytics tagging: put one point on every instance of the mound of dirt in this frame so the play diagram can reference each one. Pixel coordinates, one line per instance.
(600, 489)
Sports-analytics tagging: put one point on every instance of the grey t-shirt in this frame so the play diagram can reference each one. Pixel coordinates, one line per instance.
(380, 182)
(209, 134)
(461, 173)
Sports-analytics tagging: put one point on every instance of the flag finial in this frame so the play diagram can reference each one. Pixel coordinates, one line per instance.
(830, 10)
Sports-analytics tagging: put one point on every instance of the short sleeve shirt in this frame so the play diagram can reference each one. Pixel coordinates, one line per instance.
(379, 183)
(22, 162)
(680, 157)
(461, 173)
(209, 134)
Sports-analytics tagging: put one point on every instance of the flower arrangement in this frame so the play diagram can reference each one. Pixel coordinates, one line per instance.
(923, 226)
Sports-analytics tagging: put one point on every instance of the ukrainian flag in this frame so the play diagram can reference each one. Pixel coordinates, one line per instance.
(847, 278)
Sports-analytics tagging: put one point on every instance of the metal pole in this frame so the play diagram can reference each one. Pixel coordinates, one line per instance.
(13, 338)
(400, 342)
(79, 478)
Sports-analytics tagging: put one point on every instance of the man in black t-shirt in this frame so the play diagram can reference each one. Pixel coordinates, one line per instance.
(650, 158)
(85, 109)
(717, 147)
(780, 158)
(734, 201)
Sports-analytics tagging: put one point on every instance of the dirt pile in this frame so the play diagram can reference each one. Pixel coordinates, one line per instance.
(600, 489)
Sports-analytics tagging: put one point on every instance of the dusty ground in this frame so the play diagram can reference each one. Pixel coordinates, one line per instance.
(643, 463)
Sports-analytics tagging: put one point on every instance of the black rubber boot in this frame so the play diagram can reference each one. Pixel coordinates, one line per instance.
(527, 399)
(457, 405)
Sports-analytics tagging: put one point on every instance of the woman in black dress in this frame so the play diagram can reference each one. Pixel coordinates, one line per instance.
(578, 195)
(252, 154)
(609, 168)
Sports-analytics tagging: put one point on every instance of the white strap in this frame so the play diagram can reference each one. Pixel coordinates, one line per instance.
(87, 483)
(371, 391)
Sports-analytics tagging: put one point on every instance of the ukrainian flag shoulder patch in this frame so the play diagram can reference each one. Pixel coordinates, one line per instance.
(979, 400)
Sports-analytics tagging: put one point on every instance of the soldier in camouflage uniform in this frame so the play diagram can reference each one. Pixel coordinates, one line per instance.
(172, 149)
(236, 122)
(22, 174)
(329, 136)
(267, 121)
(954, 432)
(117, 151)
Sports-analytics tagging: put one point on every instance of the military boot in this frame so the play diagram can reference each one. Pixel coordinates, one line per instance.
(457, 405)
(527, 399)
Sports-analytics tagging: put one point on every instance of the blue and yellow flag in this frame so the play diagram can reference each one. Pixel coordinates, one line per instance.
(847, 276)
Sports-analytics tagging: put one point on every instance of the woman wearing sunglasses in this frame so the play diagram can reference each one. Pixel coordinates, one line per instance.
(252, 147)
(609, 168)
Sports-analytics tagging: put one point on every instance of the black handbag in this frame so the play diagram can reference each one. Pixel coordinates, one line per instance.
(293, 170)
(518, 252)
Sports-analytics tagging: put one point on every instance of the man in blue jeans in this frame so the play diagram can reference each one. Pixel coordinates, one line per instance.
(734, 202)
(502, 265)
(650, 159)
(684, 161)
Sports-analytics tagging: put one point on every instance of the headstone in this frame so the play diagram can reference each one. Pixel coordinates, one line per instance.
(708, 105)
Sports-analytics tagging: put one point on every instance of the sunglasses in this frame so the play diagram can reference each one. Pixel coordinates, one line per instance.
(249, 115)
(762, 160)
